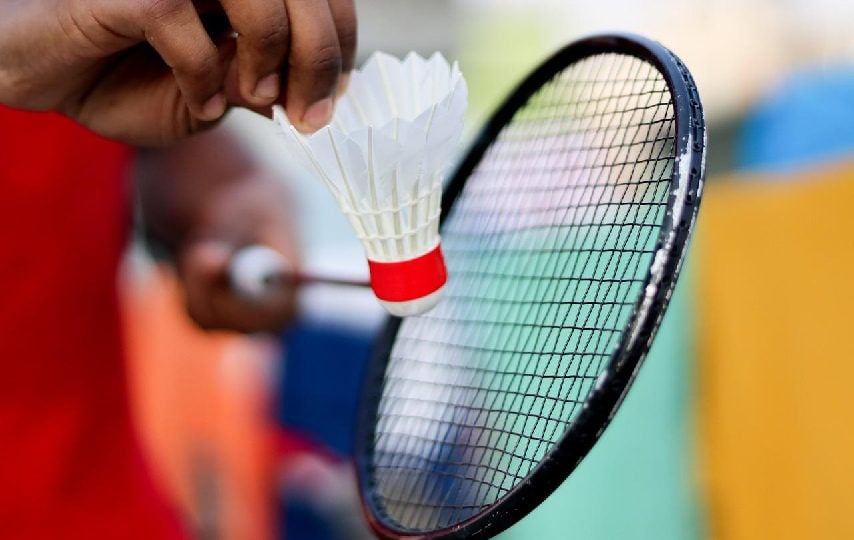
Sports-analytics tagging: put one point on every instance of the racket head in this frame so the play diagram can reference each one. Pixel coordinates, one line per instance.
(412, 471)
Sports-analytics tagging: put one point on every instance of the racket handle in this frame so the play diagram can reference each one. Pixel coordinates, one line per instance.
(256, 271)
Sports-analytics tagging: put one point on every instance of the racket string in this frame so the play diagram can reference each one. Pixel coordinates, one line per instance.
(551, 404)
(539, 413)
(545, 249)
(564, 151)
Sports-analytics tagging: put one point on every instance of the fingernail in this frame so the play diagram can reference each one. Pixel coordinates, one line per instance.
(268, 87)
(318, 114)
(343, 83)
(214, 108)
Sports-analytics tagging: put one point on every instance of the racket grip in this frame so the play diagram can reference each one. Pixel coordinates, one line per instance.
(256, 271)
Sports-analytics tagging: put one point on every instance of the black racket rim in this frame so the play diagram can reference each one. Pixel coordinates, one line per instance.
(605, 398)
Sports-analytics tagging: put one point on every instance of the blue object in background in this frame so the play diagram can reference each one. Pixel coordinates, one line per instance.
(321, 382)
(318, 397)
(806, 120)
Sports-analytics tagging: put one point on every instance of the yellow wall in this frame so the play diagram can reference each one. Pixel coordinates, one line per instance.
(776, 329)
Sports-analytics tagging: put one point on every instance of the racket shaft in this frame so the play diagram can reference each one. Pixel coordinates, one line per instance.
(255, 271)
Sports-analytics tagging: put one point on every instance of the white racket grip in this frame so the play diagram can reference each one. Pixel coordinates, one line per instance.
(255, 270)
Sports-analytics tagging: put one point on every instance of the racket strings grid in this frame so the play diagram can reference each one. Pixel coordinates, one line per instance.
(549, 245)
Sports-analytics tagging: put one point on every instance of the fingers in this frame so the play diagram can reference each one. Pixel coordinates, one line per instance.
(262, 45)
(318, 38)
(344, 17)
(213, 304)
(175, 31)
(310, 43)
(314, 64)
(201, 268)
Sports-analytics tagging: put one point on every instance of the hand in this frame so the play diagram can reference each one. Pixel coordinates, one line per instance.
(203, 211)
(154, 71)
(251, 212)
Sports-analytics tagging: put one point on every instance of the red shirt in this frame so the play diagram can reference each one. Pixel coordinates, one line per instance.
(70, 465)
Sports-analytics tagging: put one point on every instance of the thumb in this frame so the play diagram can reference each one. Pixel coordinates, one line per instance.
(206, 261)
(203, 270)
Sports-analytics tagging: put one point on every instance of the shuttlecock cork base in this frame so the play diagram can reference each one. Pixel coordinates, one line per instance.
(384, 157)
(412, 286)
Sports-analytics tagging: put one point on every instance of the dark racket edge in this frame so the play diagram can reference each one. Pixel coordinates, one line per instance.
(605, 399)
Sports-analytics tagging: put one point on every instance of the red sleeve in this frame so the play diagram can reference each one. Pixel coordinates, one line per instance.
(69, 462)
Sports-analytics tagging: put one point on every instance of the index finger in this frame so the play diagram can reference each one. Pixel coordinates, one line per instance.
(175, 31)
(262, 43)
(344, 16)
(314, 63)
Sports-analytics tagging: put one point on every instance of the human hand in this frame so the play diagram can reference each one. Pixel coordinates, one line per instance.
(204, 211)
(151, 72)
(249, 213)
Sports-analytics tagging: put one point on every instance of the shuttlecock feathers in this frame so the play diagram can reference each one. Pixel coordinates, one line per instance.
(384, 157)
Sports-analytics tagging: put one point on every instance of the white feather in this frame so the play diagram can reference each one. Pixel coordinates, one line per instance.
(385, 154)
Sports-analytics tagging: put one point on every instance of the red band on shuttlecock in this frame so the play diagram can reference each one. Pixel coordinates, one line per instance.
(402, 281)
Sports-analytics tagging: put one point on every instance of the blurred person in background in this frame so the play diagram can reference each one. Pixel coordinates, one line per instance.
(138, 72)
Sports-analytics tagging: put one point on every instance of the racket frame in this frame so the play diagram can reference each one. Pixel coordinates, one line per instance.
(605, 398)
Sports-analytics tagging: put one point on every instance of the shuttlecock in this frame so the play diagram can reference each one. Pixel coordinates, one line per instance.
(384, 157)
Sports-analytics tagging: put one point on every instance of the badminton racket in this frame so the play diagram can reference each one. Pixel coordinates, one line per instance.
(564, 230)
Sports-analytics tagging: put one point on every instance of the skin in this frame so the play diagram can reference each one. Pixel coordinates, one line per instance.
(204, 210)
(152, 72)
